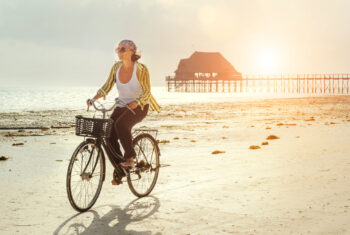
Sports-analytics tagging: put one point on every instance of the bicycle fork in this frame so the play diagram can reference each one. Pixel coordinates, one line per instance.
(88, 176)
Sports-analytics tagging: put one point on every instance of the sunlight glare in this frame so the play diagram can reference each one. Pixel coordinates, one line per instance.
(268, 61)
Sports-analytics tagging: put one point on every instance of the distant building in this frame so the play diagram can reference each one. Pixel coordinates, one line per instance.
(206, 66)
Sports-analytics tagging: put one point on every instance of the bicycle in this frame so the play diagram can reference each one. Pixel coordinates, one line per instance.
(87, 166)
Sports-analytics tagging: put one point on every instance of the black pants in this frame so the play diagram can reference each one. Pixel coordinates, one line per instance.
(122, 129)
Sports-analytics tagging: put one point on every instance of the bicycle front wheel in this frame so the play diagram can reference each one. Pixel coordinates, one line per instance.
(142, 180)
(85, 176)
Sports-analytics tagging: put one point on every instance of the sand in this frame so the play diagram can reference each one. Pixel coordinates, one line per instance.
(298, 183)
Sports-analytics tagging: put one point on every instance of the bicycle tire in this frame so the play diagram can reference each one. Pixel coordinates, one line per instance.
(137, 142)
(100, 165)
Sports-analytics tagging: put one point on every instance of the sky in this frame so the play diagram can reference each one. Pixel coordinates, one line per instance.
(58, 43)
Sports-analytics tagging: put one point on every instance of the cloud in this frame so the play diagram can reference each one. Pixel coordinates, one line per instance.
(78, 37)
(170, 3)
(216, 21)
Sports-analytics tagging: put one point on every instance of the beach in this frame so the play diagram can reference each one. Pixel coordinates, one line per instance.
(216, 177)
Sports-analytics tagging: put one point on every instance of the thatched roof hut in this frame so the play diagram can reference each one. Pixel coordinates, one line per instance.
(206, 65)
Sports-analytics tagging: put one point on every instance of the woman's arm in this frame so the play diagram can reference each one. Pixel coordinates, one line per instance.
(107, 87)
(144, 80)
(97, 96)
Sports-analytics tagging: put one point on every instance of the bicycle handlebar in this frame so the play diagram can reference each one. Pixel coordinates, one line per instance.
(104, 110)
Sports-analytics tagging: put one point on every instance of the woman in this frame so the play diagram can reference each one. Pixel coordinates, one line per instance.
(133, 85)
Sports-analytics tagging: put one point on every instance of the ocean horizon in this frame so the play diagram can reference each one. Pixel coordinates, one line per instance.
(14, 99)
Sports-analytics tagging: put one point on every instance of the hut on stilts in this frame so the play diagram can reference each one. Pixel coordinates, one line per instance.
(203, 72)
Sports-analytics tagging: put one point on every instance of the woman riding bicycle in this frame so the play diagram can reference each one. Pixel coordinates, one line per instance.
(133, 85)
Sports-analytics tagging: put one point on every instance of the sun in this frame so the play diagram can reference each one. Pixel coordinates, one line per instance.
(268, 61)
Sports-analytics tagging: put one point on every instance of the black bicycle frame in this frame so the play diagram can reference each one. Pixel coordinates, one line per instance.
(108, 149)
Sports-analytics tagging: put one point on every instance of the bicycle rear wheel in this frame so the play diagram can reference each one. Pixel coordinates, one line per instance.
(85, 176)
(142, 180)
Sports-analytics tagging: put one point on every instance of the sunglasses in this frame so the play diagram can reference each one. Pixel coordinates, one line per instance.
(122, 49)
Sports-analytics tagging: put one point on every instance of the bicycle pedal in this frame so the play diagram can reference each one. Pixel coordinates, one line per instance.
(126, 171)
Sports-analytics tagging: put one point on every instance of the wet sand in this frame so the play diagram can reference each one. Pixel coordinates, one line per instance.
(298, 183)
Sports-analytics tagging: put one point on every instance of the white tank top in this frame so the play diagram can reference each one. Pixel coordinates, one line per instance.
(129, 91)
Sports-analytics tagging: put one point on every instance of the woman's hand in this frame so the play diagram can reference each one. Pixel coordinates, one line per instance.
(133, 105)
(88, 102)
(96, 97)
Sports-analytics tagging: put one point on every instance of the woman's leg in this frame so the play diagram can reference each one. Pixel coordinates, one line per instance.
(114, 135)
(124, 127)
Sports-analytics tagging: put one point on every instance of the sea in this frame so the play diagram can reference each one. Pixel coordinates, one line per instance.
(74, 98)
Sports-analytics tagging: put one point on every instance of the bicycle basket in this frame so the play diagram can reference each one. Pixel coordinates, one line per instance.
(93, 127)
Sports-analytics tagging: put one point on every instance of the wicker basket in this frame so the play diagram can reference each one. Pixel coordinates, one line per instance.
(93, 127)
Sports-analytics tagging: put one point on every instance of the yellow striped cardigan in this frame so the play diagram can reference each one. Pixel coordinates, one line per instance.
(143, 78)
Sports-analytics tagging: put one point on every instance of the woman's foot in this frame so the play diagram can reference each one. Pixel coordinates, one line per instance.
(129, 163)
(114, 182)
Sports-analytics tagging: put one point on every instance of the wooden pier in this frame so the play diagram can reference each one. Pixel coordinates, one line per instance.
(211, 72)
(296, 83)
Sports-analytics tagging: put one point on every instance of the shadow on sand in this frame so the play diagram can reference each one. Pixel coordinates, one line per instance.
(110, 219)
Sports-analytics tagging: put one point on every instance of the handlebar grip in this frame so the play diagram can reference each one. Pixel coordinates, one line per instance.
(89, 102)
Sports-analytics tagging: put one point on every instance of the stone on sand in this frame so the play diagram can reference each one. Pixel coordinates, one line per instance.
(254, 147)
(217, 152)
(17, 144)
(3, 158)
(272, 137)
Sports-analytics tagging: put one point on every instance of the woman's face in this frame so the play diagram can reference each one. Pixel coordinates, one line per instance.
(124, 52)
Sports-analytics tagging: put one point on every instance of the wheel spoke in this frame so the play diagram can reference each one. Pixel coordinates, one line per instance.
(146, 153)
(84, 187)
